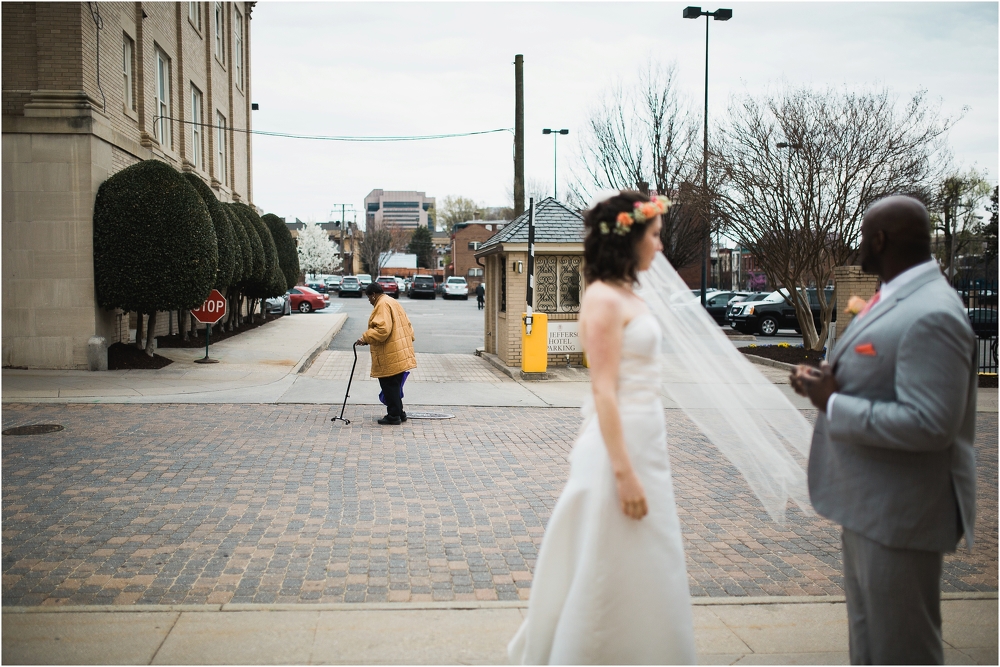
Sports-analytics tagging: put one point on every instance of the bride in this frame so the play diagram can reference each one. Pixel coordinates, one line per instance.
(610, 584)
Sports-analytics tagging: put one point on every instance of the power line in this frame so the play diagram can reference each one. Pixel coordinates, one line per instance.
(314, 137)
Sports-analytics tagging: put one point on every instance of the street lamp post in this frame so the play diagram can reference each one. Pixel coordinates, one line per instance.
(555, 152)
(718, 15)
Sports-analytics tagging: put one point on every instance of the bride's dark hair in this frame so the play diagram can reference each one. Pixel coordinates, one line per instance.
(612, 257)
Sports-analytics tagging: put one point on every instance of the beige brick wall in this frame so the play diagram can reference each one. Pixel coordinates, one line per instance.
(851, 281)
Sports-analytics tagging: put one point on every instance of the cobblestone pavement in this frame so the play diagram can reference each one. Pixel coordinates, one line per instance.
(336, 365)
(197, 504)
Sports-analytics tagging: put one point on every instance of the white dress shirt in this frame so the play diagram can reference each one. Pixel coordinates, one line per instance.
(885, 292)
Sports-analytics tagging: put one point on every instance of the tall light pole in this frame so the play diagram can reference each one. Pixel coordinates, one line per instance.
(555, 152)
(718, 15)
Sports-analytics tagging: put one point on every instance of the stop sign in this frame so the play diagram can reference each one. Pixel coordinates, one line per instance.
(213, 310)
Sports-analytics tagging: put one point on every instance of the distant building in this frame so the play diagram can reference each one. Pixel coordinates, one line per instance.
(397, 260)
(407, 209)
(466, 238)
(442, 249)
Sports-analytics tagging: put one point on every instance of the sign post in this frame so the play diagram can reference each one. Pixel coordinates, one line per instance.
(208, 313)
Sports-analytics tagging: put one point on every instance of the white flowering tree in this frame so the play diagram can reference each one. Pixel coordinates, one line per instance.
(317, 253)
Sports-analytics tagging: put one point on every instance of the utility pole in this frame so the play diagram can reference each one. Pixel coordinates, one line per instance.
(518, 135)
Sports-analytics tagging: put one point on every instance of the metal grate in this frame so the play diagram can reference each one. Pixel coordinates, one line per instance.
(33, 429)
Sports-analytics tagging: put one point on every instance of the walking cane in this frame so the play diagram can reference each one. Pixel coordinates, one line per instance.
(349, 380)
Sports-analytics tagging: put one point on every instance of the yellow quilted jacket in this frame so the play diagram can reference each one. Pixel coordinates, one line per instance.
(391, 338)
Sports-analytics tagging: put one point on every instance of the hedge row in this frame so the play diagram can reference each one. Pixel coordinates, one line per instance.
(162, 241)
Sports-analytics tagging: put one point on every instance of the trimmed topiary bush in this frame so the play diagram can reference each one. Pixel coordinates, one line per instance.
(155, 247)
(241, 244)
(273, 283)
(224, 233)
(288, 257)
(253, 271)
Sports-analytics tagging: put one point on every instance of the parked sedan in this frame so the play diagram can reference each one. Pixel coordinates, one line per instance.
(350, 286)
(456, 288)
(333, 283)
(305, 299)
(317, 285)
(389, 286)
(422, 285)
(278, 305)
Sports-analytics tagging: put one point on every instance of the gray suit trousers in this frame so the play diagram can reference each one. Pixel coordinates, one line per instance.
(893, 603)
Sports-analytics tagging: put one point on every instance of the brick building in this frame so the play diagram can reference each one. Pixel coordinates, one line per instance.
(89, 89)
(559, 283)
(407, 209)
(466, 239)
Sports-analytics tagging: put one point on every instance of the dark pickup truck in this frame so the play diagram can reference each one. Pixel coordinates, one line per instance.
(773, 312)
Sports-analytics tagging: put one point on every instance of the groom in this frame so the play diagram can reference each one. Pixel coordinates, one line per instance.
(892, 456)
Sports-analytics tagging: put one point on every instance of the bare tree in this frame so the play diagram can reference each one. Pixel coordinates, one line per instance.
(381, 239)
(799, 208)
(641, 136)
(956, 214)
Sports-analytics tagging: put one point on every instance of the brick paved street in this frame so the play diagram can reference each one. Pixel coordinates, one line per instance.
(190, 504)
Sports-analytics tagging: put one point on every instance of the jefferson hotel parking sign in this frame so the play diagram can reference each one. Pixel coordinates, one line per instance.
(564, 337)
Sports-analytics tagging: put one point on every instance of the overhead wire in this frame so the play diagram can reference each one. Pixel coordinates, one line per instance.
(316, 137)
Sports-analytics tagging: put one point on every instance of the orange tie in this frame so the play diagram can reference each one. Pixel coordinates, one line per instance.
(871, 302)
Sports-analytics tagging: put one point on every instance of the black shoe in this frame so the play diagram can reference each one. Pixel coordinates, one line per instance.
(402, 417)
(390, 421)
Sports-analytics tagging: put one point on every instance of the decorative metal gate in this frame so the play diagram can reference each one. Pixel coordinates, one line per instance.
(979, 295)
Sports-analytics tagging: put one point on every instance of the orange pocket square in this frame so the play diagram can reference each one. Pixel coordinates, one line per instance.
(865, 350)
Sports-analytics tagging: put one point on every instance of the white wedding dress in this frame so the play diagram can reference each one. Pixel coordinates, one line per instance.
(609, 589)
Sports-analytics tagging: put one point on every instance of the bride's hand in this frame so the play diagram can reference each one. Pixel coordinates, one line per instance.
(632, 495)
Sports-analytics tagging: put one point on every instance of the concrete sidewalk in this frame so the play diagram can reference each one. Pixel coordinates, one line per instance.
(730, 631)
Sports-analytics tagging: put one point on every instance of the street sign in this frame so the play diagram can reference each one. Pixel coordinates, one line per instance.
(213, 310)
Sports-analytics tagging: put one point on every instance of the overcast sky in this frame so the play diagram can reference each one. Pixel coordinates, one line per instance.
(416, 68)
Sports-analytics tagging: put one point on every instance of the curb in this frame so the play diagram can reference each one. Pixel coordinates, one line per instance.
(512, 372)
(432, 606)
(324, 343)
(769, 362)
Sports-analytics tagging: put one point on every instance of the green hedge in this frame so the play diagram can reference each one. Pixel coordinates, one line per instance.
(155, 246)
(224, 233)
(273, 281)
(243, 253)
(253, 271)
(288, 256)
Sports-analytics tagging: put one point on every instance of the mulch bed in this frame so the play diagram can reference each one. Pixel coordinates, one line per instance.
(788, 355)
(123, 357)
(198, 339)
(987, 381)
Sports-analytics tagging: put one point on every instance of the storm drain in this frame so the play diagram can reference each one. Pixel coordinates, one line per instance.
(429, 415)
(33, 429)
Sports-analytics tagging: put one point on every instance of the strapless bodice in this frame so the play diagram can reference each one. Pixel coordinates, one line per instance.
(639, 368)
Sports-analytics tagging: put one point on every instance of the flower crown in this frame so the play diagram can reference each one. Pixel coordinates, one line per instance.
(643, 212)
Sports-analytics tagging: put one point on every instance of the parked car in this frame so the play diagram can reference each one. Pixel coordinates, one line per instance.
(743, 297)
(400, 283)
(406, 285)
(305, 299)
(456, 288)
(278, 305)
(389, 286)
(365, 279)
(333, 283)
(351, 286)
(717, 305)
(422, 285)
(773, 312)
(983, 321)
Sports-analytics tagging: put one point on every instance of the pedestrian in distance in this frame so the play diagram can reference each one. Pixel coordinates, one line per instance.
(892, 458)
(480, 296)
(390, 336)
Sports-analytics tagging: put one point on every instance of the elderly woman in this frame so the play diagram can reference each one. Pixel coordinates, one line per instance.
(391, 338)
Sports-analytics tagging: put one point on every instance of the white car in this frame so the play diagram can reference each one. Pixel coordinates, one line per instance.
(402, 285)
(456, 288)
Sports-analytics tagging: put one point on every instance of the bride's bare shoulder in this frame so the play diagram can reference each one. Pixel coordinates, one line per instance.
(601, 298)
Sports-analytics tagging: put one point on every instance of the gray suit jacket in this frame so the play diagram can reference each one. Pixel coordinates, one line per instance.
(896, 461)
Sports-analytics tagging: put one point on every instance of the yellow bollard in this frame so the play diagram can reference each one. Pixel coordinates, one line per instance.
(535, 348)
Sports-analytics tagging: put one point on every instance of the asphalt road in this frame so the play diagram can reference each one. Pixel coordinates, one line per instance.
(441, 327)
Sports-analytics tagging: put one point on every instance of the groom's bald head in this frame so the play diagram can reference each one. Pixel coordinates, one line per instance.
(895, 235)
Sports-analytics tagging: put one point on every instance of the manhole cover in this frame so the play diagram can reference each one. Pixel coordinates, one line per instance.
(429, 415)
(34, 429)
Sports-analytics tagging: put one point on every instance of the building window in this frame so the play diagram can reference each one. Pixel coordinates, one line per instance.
(220, 140)
(220, 40)
(475, 273)
(197, 118)
(238, 47)
(503, 285)
(162, 124)
(474, 245)
(194, 14)
(557, 283)
(128, 67)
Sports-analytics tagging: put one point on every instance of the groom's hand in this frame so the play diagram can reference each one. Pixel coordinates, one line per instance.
(815, 384)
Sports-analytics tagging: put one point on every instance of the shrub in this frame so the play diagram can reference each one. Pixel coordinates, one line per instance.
(272, 282)
(155, 246)
(288, 257)
(253, 271)
(243, 252)
(225, 237)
